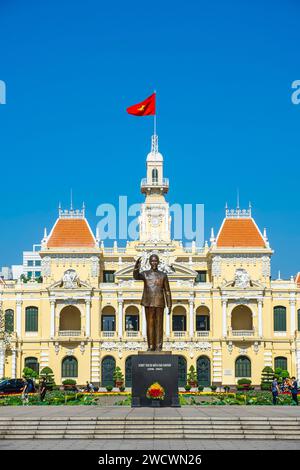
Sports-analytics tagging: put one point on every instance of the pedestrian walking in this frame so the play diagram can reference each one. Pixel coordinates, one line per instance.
(89, 387)
(43, 389)
(294, 390)
(275, 390)
(25, 391)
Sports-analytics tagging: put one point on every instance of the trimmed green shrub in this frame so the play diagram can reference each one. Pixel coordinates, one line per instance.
(266, 378)
(200, 388)
(69, 382)
(192, 376)
(118, 375)
(285, 374)
(187, 387)
(47, 374)
(109, 388)
(244, 381)
(29, 373)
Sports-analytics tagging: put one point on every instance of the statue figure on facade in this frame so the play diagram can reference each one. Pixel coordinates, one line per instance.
(156, 296)
(70, 279)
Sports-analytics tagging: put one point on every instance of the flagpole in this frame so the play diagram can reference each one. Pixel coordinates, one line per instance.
(155, 115)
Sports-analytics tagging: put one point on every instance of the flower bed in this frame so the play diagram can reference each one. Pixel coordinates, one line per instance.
(111, 398)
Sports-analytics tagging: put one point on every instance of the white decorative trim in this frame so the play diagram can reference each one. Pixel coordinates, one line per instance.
(94, 266)
(46, 266)
(216, 266)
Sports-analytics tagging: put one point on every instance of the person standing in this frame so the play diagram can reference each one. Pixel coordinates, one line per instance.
(25, 391)
(294, 390)
(43, 389)
(89, 387)
(275, 390)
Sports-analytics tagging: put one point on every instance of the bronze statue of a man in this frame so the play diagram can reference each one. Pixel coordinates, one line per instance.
(155, 297)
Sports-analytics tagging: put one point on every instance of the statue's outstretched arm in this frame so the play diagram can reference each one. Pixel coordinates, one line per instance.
(136, 271)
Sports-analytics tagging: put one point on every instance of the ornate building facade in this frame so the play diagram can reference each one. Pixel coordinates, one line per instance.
(229, 319)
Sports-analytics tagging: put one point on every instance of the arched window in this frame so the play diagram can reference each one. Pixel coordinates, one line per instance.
(70, 319)
(107, 372)
(132, 319)
(241, 318)
(31, 319)
(128, 372)
(69, 367)
(9, 320)
(182, 371)
(179, 318)
(32, 362)
(108, 319)
(279, 318)
(280, 362)
(154, 175)
(202, 319)
(243, 367)
(203, 371)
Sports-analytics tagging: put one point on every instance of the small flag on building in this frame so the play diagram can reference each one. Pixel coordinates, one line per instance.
(144, 108)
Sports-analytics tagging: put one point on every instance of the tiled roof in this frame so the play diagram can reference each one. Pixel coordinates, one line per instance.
(297, 280)
(240, 232)
(71, 232)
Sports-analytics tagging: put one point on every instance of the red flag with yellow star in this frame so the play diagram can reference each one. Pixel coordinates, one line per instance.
(144, 108)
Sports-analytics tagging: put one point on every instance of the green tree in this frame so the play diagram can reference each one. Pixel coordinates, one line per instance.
(266, 378)
(118, 375)
(192, 376)
(23, 278)
(47, 374)
(29, 373)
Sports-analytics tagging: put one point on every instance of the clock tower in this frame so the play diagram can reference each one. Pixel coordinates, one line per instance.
(155, 220)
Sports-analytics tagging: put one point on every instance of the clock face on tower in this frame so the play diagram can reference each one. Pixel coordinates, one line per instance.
(155, 221)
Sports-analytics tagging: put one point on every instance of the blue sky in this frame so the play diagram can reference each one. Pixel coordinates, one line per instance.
(223, 73)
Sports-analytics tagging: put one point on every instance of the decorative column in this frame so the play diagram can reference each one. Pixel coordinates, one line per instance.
(14, 364)
(19, 317)
(2, 358)
(191, 322)
(120, 317)
(260, 319)
(297, 352)
(88, 317)
(144, 327)
(224, 319)
(293, 314)
(52, 318)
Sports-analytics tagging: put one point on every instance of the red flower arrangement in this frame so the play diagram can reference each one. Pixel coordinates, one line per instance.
(155, 392)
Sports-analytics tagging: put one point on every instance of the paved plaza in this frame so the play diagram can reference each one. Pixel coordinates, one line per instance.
(128, 412)
(230, 412)
(145, 444)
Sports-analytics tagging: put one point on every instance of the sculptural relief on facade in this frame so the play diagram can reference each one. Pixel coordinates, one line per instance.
(241, 279)
(70, 279)
(165, 265)
(216, 266)
(94, 266)
(46, 266)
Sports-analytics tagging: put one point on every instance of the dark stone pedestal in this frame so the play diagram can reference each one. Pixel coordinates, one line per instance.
(151, 367)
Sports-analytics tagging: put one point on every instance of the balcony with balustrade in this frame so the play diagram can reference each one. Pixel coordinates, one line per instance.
(108, 334)
(202, 334)
(241, 327)
(147, 185)
(70, 335)
(70, 327)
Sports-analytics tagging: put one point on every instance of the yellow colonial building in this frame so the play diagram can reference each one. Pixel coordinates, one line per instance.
(229, 319)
